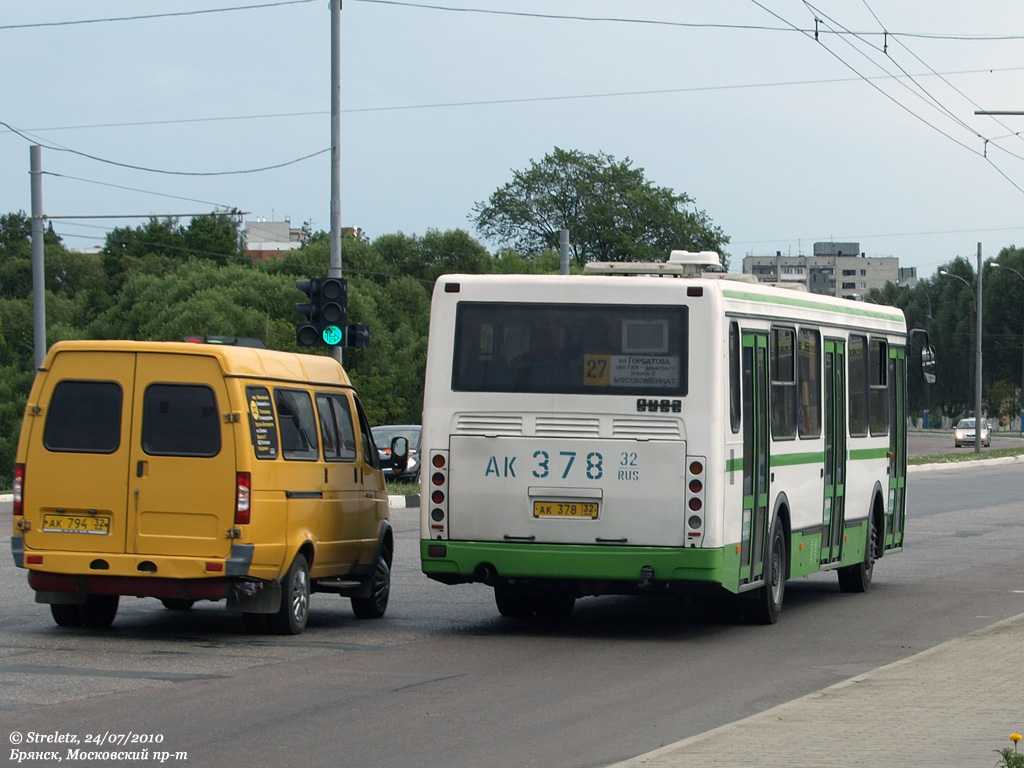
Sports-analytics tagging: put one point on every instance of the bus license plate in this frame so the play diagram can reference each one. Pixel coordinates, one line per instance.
(576, 509)
(76, 524)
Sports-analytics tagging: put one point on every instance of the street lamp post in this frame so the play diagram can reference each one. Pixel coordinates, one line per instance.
(977, 352)
(1018, 274)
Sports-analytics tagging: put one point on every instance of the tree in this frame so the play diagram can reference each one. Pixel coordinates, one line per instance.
(612, 212)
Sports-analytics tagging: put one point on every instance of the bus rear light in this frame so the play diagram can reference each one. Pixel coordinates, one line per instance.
(19, 489)
(437, 526)
(437, 550)
(212, 567)
(243, 483)
(34, 559)
(695, 490)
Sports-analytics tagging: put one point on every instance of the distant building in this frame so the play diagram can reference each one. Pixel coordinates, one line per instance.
(835, 269)
(269, 239)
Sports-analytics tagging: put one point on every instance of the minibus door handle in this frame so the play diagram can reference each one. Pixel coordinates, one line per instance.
(140, 469)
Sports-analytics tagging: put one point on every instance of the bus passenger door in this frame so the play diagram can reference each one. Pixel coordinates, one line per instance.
(755, 457)
(833, 511)
(897, 447)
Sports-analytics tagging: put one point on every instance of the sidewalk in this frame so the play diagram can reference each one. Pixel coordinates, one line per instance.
(948, 707)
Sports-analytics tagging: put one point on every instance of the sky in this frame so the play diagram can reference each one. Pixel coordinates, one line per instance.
(866, 133)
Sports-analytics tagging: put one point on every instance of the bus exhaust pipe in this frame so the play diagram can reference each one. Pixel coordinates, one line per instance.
(486, 573)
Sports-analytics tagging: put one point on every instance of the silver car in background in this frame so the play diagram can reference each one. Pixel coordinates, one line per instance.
(383, 436)
(964, 434)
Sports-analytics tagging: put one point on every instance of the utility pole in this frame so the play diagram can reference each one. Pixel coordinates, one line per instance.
(334, 269)
(38, 270)
(977, 367)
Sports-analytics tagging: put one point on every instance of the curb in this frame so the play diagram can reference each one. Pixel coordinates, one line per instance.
(404, 502)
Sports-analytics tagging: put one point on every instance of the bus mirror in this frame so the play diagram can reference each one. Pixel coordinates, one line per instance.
(399, 454)
(928, 364)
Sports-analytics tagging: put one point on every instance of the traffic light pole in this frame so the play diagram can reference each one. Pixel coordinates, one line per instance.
(334, 269)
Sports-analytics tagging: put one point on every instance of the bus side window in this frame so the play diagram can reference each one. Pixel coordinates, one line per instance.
(734, 377)
(878, 386)
(857, 354)
(783, 382)
(809, 373)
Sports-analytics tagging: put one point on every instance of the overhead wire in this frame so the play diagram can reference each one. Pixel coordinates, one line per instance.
(164, 171)
(142, 17)
(887, 95)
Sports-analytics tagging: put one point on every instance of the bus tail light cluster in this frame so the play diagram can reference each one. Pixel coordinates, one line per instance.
(437, 489)
(696, 481)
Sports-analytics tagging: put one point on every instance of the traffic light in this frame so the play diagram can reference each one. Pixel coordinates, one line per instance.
(307, 332)
(326, 312)
(358, 336)
(333, 316)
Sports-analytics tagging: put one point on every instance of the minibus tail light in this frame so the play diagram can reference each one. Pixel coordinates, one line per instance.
(242, 498)
(19, 489)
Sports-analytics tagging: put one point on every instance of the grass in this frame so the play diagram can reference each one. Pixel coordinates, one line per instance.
(403, 489)
(968, 454)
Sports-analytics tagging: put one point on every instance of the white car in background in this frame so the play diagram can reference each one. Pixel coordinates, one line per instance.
(964, 434)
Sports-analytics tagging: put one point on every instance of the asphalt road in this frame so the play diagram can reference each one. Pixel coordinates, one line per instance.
(936, 442)
(442, 680)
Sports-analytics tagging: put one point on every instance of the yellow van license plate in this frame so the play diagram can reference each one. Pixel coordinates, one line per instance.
(578, 509)
(76, 524)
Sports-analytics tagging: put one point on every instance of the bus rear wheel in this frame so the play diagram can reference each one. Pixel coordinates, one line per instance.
(514, 601)
(765, 605)
(857, 578)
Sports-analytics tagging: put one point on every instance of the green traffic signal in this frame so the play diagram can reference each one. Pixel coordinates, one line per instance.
(332, 335)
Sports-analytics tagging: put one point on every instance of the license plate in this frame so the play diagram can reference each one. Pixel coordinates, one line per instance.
(576, 509)
(76, 524)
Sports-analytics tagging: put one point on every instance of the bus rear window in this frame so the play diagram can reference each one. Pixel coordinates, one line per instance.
(570, 349)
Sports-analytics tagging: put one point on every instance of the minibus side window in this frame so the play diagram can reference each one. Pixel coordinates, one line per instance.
(336, 427)
(84, 417)
(370, 455)
(180, 420)
(297, 425)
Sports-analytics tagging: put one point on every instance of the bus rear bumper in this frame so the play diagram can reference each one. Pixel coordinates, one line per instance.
(619, 568)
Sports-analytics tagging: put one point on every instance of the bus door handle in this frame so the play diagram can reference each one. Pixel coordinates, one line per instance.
(509, 537)
(623, 540)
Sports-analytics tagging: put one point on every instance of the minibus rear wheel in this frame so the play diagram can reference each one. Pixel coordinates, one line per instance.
(291, 617)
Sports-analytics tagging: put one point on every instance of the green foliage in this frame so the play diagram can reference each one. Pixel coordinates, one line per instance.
(612, 212)
(945, 306)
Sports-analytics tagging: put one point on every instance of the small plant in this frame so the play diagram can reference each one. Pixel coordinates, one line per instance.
(1011, 758)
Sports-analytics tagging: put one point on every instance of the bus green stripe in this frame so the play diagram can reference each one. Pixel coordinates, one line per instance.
(793, 301)
(794, 459)
(869, 453)
(575, 561)
(791, 459)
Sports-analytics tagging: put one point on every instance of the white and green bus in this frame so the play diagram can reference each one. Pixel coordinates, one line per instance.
(652, 428)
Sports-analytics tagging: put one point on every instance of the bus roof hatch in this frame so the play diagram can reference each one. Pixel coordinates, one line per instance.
(679, 264)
